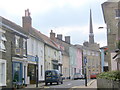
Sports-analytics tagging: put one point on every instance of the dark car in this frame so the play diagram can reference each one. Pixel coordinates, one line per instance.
(78, 76)
(53, 76)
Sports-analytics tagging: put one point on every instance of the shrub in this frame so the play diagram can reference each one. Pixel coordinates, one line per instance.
(113, 75)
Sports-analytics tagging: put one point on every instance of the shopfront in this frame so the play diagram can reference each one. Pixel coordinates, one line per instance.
(31, 70)
(17, 72)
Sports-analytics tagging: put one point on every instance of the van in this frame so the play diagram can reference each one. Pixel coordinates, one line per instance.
(53, 76)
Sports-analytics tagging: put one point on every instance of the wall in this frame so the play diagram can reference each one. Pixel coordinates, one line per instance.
(36, 47)
(66, 65)
(112, 31)
(50, 54)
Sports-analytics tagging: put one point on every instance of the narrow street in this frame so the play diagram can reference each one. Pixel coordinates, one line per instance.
(67, 84)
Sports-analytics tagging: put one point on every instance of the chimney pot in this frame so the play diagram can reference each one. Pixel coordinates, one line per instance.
(67, 39)
(27, 21)
(52, 35)
(59, 36)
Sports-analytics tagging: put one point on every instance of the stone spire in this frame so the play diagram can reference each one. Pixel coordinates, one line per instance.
(91, 35)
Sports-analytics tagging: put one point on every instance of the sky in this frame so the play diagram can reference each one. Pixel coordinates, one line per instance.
(66, 17)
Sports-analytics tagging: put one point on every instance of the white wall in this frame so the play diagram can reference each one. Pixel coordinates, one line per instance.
(36, 47)
(2, 72)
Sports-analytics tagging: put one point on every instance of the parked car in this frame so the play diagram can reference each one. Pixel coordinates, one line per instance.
(53, 76)
(78, 76)
(93, 75)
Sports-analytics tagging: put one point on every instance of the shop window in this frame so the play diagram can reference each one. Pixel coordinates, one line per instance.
(17, 72)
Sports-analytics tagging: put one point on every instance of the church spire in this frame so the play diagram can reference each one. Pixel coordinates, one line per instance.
(91, 35)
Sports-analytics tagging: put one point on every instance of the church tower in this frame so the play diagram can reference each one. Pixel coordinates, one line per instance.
(91, 35)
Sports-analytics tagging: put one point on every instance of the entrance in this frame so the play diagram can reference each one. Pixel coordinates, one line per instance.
(32, 73)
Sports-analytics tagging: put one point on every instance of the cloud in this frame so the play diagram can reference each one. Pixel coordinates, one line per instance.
(67, 17)
(79, 34)
(37, 6)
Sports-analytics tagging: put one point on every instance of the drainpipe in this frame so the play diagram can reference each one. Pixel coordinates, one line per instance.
(12, 63)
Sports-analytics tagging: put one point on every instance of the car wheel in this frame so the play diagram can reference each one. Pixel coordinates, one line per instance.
(46, 84)
(62, 82)
(51, 83)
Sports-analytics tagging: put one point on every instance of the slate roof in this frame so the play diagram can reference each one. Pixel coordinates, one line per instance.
(32, 31)
(47, 40)
(11, 25)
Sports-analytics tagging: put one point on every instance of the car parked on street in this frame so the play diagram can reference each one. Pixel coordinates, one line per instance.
(53, 76)
(78, 76)
(93, 75)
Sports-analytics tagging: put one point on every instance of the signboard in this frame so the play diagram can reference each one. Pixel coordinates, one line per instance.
(31, 58)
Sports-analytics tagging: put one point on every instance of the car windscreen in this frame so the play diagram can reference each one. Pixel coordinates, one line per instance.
(50, 73)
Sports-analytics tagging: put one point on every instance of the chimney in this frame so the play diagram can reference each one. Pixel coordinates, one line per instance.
(59, 36)
(67, 39)
(52, 35)
(27, 21)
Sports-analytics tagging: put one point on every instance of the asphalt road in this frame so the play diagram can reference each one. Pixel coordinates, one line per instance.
(68, 84)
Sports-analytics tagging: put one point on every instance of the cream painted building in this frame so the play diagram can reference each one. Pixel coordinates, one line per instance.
(92, 53)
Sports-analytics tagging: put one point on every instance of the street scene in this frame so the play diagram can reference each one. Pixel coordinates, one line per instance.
(60, 44)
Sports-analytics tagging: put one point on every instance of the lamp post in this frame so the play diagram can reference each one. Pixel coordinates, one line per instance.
(85, 70)
(36, 59)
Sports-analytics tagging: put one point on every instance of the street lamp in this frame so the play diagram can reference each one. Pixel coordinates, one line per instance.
(85, 70)
(36, 59)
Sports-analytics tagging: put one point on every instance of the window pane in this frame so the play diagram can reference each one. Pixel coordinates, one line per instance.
(0, 73)
(2, 46)
(3, 37)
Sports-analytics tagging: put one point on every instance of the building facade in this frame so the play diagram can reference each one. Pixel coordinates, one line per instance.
(91, 53)
(14, 52)
(35, 49)
(75, 60)
(111, 15)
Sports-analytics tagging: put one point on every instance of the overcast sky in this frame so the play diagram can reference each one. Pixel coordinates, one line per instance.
(67, 17)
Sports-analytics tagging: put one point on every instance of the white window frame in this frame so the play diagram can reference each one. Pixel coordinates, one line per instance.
(17, 40)
(2, 40)
(24, 43)
(24, 46)
(3, 72)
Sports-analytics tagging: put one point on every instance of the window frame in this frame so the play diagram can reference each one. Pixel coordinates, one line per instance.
(3, 81)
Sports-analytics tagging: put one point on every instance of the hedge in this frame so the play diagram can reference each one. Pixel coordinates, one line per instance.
(111, 75)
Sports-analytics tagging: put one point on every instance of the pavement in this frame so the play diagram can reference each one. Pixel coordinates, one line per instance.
(91, 84)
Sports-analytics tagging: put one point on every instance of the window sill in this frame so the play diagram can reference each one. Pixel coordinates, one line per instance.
(3, 85)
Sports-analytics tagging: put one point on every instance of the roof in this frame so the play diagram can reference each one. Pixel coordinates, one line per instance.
(35, 33)
(113, 0)
(12, 26)
(104, 47)
(46, 39)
